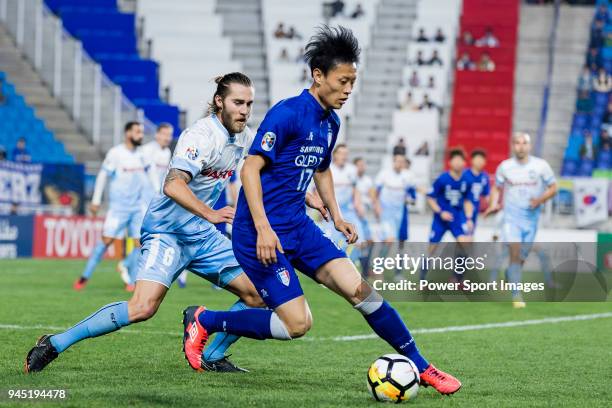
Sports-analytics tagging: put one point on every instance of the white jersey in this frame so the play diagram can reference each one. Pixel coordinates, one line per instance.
(523, 182)
(210, 155)
(160, 157)
(345, 180)
(131, 175)
(364, 185)
(394, 188)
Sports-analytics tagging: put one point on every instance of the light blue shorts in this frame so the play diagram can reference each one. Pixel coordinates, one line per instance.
(118, 221)
(390, 223)
(165, 256)
(520, 231)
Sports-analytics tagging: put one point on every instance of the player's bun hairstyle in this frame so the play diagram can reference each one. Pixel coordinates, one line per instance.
(478, 152)
(128, 126)
(456, 151)
(331, 46)
(223, 85)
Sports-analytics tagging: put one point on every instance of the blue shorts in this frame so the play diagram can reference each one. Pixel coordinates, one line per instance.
(522, 231)
(306, 249)
(457, 227)
(165, 256)
(118, 221)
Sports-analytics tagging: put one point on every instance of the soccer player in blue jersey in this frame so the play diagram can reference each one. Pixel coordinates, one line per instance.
(179, 231)
(131, 176)
(273, 235)
(478, 182)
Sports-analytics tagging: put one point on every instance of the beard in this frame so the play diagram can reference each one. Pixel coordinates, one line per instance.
(136, 142)
(231, 125)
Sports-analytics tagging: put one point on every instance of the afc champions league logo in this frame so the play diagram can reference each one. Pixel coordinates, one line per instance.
(283, 276)
(267, 141)
(192, 153)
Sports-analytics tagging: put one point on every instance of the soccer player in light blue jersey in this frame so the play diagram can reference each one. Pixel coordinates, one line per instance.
(179, 231)
(131, 176)
(273, 235)
(528, 182)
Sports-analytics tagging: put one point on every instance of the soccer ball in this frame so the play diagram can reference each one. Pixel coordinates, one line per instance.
(393, 378)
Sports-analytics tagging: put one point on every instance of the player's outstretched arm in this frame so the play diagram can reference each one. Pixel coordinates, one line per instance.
(325, 186)
(267, 240)
(176, 188)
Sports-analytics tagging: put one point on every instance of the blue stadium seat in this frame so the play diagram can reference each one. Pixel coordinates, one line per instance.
(586, 168)
(569, 168)
(55, 5)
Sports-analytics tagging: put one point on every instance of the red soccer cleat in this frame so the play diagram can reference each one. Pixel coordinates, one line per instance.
(79, 284)
(444, 383)
(195, 336)
(129, 287)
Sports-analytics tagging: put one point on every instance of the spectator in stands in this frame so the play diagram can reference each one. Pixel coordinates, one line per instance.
(584, 103)
(587, 150)
(2, 97)
(400, 148)
(585, 81)
(414, 80)
(305, 78)
(284, 55)
(358, 12)
(604, 157)
(486, 64)
(280, 31)
(467, 38)
(603, 81)
(604, 138)
(20, 152)
(423, 150)
(420, 60)
(300, 56)
(427, 103)
(337, 8)
(488, 40)
(594, 59)
(602, 14)
(431, 83)
(293, 34)
(2, 153)
(435, 59)
(439, 37)
(408, 103)
(597, 35)
(465, 63)
(421, 37)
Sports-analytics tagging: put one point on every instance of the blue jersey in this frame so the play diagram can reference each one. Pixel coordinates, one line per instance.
(478, 186)
(449, 193)
(296, 139)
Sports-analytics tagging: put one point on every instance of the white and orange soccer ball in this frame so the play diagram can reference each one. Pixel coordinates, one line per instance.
(393, 378)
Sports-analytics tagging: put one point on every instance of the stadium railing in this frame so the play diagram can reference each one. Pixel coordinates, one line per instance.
(98, 106)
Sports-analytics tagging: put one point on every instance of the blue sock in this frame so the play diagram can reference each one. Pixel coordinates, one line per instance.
(131, 263)
(94, 259)
(222, 341)
(514, 276)
(387, 323)
(106, 320)
(251, 323)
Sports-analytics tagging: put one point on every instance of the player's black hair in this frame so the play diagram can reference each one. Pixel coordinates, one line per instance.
(357, 159)
(130, 125)
(456, 151)
(339, 146)
(223, 85)
(164, 125)
(331, 46)
(478, 152)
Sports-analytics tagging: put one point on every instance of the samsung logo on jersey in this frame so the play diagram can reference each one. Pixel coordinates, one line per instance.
(311, 149)
(307, 160)
(217, 174)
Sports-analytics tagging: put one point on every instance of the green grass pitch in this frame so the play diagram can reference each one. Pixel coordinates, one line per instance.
(547, 365)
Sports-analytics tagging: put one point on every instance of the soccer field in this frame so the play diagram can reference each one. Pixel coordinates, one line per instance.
(545, 363)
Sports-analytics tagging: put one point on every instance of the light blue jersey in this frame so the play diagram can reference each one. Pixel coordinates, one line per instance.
(394, 190)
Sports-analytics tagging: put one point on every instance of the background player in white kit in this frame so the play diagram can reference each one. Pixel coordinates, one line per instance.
(131, 177)
(367, 193)
(528, 182)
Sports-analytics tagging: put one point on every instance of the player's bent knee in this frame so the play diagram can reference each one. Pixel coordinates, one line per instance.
(298, 328)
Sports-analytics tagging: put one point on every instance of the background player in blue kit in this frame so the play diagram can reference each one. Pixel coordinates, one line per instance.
(478, 182)
(273, 234)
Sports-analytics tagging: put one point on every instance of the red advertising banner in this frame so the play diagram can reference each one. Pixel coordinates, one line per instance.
(71, 237)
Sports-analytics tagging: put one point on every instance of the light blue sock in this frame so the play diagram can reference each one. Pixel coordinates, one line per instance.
(514, 276)
(106, 320)
(545, 265)
(94, 259)
(131, 263)
(222, 341)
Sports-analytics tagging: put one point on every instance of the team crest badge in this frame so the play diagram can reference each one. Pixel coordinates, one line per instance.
(192, 153)
(283, 276)
(267, 141)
